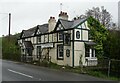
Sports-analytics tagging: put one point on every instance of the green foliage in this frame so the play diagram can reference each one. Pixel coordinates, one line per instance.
(10, 49)
(98, 33)
(107, 40)
(112, 45)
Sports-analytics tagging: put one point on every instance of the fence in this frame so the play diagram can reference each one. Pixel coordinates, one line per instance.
(108, 67)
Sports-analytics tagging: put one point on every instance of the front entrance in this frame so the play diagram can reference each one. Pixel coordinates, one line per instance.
(90, 58)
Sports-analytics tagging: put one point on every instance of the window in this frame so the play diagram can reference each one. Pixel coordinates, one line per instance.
(29, 51)
(60, 52)
(87, 52)
(78, 34)
(90, 52)
(38, 51)
(67, 52)
(45, 38)
(93, 52)
(60, 36)
(23, 40)
(39, 39)
(67, 39)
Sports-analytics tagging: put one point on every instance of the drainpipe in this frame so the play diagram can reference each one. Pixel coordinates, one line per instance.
(73, 49)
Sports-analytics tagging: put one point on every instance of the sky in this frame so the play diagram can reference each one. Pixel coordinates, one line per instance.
(26, 14)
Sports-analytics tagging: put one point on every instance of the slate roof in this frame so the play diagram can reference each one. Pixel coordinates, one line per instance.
(43, 29)
(29, 32)
(66, 24)
(71, 24)
(78, 21)
(90, 43)
(28, 44)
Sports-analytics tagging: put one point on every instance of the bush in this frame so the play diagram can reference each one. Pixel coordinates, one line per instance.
(10, 50)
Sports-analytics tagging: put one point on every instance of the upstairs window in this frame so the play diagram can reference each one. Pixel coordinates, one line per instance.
(61, 36)
(39, 39)
(78, 34)
(23, 40)
(67, 39)
(68, 53)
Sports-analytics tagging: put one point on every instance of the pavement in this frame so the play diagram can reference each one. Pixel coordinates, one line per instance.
(16, 71)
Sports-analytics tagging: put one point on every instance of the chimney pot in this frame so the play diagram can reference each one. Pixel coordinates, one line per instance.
(61, 12)
(51, 17)
(65, 13)
(74, 18)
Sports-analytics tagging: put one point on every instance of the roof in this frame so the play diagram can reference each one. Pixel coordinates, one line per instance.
(78, 21)
(28, 44)
(29, 32)
(43, 29)
(66, 23)
(90, 43)
(71, 24)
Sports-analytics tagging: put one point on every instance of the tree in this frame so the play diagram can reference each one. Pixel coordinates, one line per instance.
(102, 15)
(111, 46)
(98, 33)
(10, 49)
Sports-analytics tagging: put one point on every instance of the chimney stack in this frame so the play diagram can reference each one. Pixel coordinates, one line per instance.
(63, 15)
(51, 24)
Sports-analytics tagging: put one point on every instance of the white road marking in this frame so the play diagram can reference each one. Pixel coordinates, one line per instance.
(20, 73)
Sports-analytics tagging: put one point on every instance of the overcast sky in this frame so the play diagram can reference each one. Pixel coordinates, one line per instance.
(29, 13)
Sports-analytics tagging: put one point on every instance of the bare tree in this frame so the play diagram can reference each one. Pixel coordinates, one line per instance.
(95, 12)
(105, 17)
(101, 14)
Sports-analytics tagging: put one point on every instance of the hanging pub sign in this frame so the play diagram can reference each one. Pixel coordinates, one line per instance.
(47, 45)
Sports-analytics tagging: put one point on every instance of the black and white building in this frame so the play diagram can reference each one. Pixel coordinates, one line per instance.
(63, 42)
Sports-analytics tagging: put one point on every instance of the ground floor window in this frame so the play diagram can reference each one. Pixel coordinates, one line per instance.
(38, 51)
(89, 52)
(29, 51)
(60, 52)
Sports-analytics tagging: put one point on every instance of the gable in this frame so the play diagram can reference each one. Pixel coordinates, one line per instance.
(38, 32)
(83, 25)
(22, 35)
(59, 26)
(79, 22)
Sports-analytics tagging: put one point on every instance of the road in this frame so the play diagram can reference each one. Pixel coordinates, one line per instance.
(16, 71)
